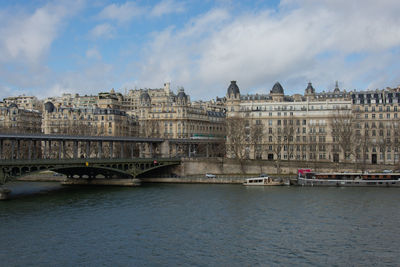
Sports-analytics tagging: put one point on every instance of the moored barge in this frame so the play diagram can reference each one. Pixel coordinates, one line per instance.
(348, 179)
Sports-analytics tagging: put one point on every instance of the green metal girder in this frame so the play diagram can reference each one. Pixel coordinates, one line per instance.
(11, 169)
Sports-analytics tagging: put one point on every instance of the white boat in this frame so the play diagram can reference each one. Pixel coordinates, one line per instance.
(262, 181)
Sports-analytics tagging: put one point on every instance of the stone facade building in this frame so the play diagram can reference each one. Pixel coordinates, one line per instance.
(377, 126)
(278, 127)
(174, 116)
(19, 120)
(333, 126)
(87, 121)
(24, 102)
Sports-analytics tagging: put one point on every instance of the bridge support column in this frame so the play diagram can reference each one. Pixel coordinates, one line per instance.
(165, 152)
(30, 149)
(63, 148)
(49, 156)
(151, 149)
(12, 149)
(75, 149)
(141, 152)
(59, 149)
(34, 149)
(45, 150)
(18, 148)
(131, 150)
(122, 149)
(100, 148)
(87, 149)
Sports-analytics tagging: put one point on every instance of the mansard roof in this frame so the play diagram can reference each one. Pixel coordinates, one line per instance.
(233, 89)
(277, 89)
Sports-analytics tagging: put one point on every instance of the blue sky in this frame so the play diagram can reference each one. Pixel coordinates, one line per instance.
(51, 47)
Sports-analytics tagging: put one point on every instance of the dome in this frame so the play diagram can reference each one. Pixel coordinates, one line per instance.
(49, 107)
(13, 105)
(310, 89)
(145, 97)
(181, 94)
(233, 89)
(277, 89)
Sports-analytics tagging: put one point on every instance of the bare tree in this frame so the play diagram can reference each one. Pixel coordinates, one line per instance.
(396, 140)
(363, 143)
(256, 137)
(276, 140)
(236, 139)
(342, 124)
(288, 132)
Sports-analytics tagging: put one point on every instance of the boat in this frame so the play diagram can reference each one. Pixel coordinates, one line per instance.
(383, 179)
(262, 181)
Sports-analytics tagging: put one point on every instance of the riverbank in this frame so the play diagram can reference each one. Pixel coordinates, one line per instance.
(196, 180)
(233, 178)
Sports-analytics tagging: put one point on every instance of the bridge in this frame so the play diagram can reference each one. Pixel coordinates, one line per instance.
(43, 146)
(96, 158)
(84, 168)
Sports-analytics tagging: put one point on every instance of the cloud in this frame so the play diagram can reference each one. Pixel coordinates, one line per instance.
(301, 41)
(93, 53)
(28, 37)
(121, 12)
(124, 13)
(90, 79)
(103, 30)
(167, 7)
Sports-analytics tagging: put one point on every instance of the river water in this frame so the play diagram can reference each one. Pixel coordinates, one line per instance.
(199, 225)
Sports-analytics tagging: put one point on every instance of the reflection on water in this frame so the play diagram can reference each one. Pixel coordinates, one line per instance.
(224, 225)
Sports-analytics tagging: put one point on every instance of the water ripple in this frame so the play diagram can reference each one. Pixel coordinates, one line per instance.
(202, 225)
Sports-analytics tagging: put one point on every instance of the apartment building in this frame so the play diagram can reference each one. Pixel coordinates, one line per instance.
(169, 115)
(276, 126)
(14, 119)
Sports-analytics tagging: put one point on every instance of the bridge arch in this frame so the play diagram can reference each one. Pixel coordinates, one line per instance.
(84, 168)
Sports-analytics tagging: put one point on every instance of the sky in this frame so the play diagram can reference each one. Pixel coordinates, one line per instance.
(52, 47)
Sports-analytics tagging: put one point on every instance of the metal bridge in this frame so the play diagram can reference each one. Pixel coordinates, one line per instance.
(84, 168)
(43, 146)
(95, 157)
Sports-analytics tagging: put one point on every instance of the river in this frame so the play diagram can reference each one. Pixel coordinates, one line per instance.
(199, 225)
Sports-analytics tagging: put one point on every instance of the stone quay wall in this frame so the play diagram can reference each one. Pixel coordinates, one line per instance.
(225, 167)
